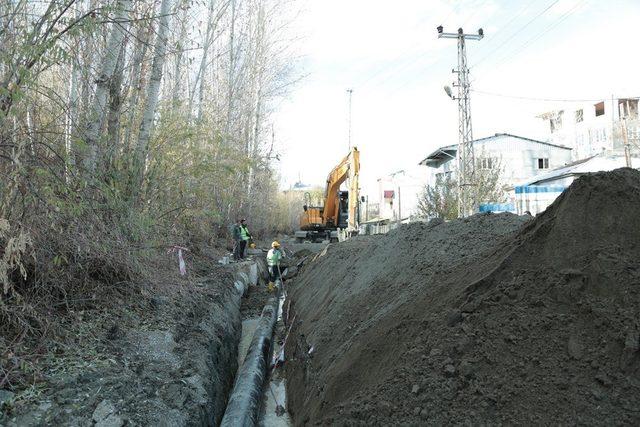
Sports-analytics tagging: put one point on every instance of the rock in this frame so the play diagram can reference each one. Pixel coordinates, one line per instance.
(454, 317)
(385, 407)
(105, 415)
(464, 344)
(631, 346)
(417, 410)
(450, 370)
(435, 352)
(415, 389)
(597, 394)
(575, 348)
(6, 397)
(435, 222)
(424, 413)
(604, 379)
(632, 341)
(467, 369)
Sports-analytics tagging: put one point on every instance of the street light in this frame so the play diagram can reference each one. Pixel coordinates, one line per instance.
(447, 90)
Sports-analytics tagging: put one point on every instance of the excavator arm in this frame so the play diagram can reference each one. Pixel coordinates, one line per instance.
(349, 167)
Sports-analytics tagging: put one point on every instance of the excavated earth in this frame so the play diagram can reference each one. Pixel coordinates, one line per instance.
(494, 319)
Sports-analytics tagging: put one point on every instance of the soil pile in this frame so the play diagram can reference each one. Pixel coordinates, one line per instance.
(491, 319)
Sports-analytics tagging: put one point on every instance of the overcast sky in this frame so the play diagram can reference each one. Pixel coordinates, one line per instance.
(389, 53)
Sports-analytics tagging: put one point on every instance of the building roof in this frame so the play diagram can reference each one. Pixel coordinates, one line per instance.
(597, 163)
(448, 152)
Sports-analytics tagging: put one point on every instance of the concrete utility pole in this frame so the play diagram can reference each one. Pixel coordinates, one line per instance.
(350, 92)
(466, 157)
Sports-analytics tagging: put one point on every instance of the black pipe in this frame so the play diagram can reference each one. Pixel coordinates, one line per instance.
(244, 404)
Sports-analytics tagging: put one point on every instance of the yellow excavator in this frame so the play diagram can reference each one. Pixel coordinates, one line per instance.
(339, 213)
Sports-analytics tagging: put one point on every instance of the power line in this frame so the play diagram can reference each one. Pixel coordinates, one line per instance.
(508, 24)
(394, 62)
(505, 59)
(548, 28)
(395, 68)
(515, 33)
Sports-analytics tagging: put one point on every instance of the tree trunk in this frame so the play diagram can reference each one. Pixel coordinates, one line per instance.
(107, 69)
(182, 36)
(153, 93)
(135, 78)
(115, 104)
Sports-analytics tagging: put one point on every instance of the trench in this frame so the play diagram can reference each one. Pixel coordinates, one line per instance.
(259, 393)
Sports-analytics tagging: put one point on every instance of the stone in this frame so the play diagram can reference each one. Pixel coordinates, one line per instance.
(6, 397)
(454, 317)
(575, 348)
(464, 344)
(385, 407)
(449, 370)
(604, 379)
(415, 389)
(632, 341)
(424, 413)
(105, 415)
(435, 352)
(466, 369)
(417, 410)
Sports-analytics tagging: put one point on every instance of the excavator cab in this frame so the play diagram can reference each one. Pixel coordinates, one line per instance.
(343, 209)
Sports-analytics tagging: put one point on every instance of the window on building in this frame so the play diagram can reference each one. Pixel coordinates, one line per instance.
(555, 121)
(543, 163)
(486, 163)
(599, 109)
(628, 108)
(579, 115)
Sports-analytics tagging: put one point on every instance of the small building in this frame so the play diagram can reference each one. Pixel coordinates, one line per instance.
(592, 128)
(517, 157)
(398, 193)
(537, 193)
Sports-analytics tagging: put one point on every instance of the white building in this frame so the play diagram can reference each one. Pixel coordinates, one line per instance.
(591, 128)
(398, 193)
(519, 158)
(537, 193)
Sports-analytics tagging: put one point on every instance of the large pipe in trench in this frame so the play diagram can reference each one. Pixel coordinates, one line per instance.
(244, 404)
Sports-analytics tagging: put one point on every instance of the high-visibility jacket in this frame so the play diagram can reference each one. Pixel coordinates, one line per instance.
(273, 257)
(244, 233)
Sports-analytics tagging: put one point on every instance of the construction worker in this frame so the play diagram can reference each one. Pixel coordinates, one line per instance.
(245, 236)
(237, 239)
(273, 261)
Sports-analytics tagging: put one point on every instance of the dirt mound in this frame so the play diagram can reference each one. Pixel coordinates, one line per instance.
(491, 319)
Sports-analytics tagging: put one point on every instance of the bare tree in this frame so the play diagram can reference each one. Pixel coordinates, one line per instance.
(103, 81)
(153, 92)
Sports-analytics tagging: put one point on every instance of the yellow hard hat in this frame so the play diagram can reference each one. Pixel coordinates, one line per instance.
(275, 244)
